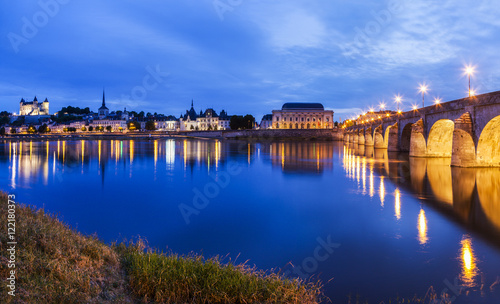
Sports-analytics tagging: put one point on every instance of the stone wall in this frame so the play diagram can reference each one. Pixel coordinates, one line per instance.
(325, 134)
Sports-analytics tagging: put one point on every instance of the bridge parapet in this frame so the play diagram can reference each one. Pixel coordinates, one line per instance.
(467, 130)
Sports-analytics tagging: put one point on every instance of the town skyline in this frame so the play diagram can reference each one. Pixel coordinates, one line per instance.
(253, 55)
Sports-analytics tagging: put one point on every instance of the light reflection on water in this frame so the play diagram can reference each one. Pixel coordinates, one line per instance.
(470, 197)
(433, 178)
(469, 268)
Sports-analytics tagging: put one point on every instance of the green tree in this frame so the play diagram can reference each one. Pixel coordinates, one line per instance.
(13, 130)
(192, 128)
(238, 122)
(134, 125)
(84, 129)
(31, 129)
(4, 118)
(91, 129)
(109, 128)
(73, 110)
(150, 125)
(2, 131)
(249, 122)
(43, 128)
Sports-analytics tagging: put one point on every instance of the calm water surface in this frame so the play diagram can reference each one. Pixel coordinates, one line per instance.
(368, 223)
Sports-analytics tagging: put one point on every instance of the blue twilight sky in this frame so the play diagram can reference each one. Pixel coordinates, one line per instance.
(244, 56)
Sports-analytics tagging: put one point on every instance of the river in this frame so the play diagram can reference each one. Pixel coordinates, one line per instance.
(371, 225)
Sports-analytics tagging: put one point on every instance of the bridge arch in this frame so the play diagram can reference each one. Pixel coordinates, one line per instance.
(464, 150)
(378, 138)
(405, 138)
(361, 137)
(418, 144)
(440, 139)
(488, 148)
(369, 137)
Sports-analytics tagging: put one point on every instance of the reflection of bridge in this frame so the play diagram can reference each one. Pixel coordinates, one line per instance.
(467, 130)
(470, 195)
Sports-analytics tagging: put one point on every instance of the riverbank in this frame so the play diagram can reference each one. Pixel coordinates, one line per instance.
(288, 134)
(56, 264)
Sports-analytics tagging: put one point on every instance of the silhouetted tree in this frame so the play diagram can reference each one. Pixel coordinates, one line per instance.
(43, 129)
(150, 125)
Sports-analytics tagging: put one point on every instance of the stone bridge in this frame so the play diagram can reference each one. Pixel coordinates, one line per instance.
(467, 130)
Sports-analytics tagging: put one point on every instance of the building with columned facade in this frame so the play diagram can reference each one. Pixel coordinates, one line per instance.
(301, 115)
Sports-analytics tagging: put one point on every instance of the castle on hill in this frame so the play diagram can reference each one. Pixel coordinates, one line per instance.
(33, 108)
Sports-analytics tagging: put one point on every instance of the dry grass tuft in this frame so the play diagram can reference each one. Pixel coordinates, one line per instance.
(170, 278)
(55, 264)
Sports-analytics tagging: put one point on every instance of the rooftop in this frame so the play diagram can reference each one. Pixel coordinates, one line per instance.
(302, 106)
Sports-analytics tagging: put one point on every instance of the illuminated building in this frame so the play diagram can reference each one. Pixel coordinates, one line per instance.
(297, 115)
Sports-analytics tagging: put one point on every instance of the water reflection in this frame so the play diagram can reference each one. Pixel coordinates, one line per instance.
(422, 228)
(382, 191)
(30, 160)
(397, 204)
(470, 195)
(469, 268)
(299, 157)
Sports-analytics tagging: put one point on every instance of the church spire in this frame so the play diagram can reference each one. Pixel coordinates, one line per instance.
(191, 103)
(103, 99)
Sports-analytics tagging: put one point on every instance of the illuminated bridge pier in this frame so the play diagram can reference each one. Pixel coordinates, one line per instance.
(467, 130)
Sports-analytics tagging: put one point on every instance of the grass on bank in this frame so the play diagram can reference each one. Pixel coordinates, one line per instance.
(56, 264)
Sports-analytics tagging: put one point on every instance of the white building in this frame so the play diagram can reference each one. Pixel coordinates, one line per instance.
(117, 125)
(266, 122)
(167, 125)
(208, 120)
(34, 107)
(296, 115)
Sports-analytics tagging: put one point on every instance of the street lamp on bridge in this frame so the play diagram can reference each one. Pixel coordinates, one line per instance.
(423, 89)
(382, 106)
(398, 101)
(437, 101)
(469, 70)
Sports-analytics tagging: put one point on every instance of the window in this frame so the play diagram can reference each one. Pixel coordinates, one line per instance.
(291, 119)
(302, 120)
(327, 119)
